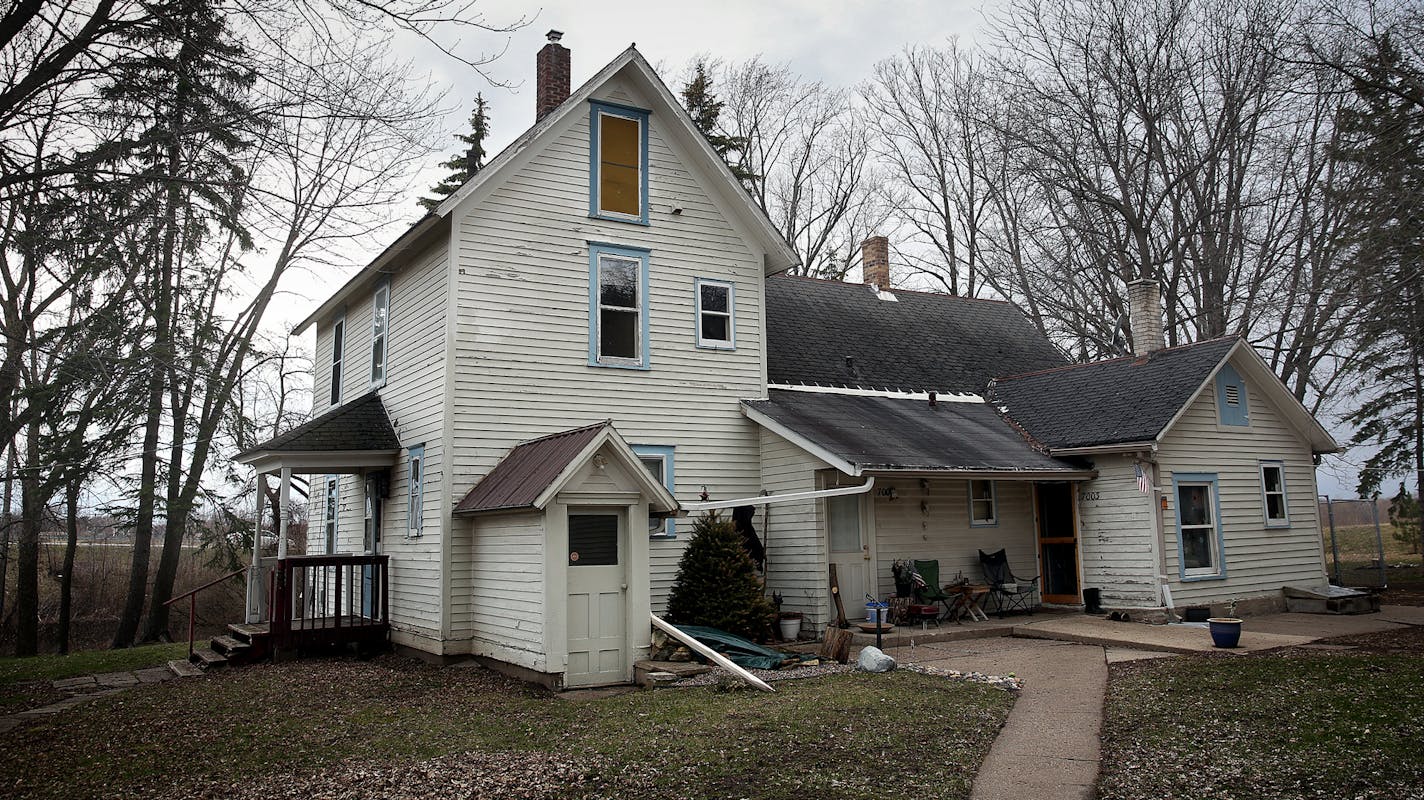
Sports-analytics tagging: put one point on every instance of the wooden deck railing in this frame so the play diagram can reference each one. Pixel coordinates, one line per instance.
(333, 599)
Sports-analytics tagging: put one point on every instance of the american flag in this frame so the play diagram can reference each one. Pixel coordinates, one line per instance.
(1144, 484)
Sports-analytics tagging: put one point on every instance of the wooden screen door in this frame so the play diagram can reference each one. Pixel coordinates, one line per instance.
(1057, 520)
(597, 628)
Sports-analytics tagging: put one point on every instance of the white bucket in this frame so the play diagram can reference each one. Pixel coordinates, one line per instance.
(790, 628)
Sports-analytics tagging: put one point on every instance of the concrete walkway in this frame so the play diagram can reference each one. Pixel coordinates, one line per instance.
(85, 688)
(1049, 746)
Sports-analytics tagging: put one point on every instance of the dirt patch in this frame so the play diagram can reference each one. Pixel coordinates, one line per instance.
(1407, 642)
(19, 697)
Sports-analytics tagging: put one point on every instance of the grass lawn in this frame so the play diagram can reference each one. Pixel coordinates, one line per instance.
(289, 729)
(1302, 724)
(88, 662)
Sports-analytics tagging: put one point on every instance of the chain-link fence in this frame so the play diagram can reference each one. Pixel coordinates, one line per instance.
(1354, 538)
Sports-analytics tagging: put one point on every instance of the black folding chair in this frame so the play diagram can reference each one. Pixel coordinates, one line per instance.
(1007, 591)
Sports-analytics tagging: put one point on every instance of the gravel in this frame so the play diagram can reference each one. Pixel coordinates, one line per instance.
(720, 676)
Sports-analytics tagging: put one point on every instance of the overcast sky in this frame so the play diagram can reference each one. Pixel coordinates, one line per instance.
(835, 42)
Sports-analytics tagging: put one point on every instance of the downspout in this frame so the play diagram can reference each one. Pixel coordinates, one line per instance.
(1163, 579)
(772, 499)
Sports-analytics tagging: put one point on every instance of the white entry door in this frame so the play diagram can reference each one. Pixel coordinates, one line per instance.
(850, 552)
(598, 640)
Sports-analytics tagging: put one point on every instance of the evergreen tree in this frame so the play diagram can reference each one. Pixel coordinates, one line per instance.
(717, 584)
(1382, 138)
(1404, 516)
(466, 164)
(704, 108)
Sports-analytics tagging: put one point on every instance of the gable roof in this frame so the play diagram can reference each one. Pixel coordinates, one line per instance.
(864, 433)
(781, 256)
(360, 425)
(531, 473)
(1135, 400)
(830, 333)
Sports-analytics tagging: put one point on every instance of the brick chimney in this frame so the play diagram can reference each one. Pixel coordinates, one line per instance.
(1144, 305)
(875, 262)
(552, 76)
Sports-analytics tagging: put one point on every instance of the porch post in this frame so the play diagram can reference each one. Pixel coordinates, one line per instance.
(255, 584)
(286, 511)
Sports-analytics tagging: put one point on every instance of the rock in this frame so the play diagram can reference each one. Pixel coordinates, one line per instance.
(872, 659)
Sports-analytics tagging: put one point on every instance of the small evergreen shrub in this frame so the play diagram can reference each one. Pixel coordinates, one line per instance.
(717, 584)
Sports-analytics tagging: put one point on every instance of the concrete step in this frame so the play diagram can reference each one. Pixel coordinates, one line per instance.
(209, 659)
(230, 647)
(184, 669)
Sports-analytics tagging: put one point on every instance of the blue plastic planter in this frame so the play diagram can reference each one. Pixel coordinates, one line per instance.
(1225, 631)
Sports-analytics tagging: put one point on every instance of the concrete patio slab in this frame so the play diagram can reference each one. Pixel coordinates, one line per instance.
(1164, 638)
(1403, 615)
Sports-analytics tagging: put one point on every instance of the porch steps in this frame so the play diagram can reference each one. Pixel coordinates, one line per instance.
(230, 647)
(208, 658)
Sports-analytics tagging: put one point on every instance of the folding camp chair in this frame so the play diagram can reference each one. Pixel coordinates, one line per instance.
(932, 593)
(1007, 591)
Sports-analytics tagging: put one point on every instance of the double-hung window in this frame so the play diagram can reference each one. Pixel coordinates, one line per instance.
(1198, 526)
(338, 350)
(380, 332)
(415, 491)
(658, 461)
(983, 509)
(618, 162)
(333, 488)
(715, 324)
(618, 309)
(1273, 494)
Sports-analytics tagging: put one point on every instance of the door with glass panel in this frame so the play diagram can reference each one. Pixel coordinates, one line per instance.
(597, 628)
(850, 553)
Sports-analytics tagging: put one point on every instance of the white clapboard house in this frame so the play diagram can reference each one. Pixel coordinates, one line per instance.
(520, 396)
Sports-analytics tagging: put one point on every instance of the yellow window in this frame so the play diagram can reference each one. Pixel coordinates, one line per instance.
(619, 157)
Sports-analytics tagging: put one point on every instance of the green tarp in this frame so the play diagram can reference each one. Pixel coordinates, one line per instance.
(742, 652)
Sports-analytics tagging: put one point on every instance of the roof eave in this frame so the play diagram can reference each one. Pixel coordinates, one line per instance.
(985, 473)
(764, 420)
(312, 461)
(1088, 450)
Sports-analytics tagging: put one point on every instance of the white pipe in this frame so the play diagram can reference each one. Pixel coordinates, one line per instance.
(716, 657)
(771, 499)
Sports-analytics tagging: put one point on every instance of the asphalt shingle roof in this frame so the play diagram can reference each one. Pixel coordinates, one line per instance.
(1108, 402)
(520, 477)
(881, 433)
(361, 424)
(829, 333)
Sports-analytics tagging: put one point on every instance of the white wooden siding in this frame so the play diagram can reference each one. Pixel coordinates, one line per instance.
(497, 584)
(520, 366)
(1116, 536)
(930, 520)
(795, 548)
(1258, 560)
(413, 396)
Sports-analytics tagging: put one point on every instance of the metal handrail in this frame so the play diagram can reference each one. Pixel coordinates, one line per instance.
(192, 596)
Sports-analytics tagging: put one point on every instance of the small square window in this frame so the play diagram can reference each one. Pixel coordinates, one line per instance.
(658, 461)
(715, 305)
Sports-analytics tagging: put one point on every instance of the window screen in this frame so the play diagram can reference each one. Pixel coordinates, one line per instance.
(593, 540)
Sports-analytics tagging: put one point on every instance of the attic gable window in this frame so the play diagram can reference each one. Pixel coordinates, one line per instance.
(617, 306)
(618, 162)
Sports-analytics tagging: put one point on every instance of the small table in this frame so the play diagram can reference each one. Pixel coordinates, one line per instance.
(969, 599)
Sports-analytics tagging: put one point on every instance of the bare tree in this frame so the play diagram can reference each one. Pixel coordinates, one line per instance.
(807, 148)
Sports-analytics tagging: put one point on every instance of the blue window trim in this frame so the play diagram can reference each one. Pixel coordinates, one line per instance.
(596, 107)
(1179, 478)
(415, 495)
(1236, 416)
(731, 287)
(1285, 494)
(641, 255)
(338, 356)
(385, 283)
(669, 457)
(993, 500)
(329, 525)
